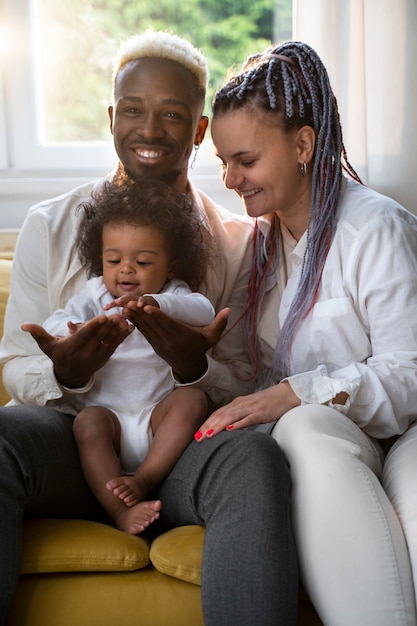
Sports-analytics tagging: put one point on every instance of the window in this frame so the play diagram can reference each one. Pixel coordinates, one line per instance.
(25, 72)
(3, 143)
(55, 84)
(57, 80)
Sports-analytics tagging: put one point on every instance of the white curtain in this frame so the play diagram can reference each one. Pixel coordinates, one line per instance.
(370, 50)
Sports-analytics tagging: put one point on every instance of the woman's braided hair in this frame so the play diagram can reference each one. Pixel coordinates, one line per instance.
(291, 83)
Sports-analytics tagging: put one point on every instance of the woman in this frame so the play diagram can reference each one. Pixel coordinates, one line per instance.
(332, 325)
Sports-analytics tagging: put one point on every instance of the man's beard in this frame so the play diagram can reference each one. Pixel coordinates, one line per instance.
(170, 178)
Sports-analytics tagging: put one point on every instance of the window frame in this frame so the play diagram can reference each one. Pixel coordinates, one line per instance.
(4, 161)
(26, 152)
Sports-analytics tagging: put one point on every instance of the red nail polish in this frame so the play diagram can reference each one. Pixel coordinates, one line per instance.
(230, 427)
(198, 435)
(209, 432)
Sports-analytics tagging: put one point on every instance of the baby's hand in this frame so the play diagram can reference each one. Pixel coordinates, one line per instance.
(138, 303)
(74, 327)
(147, 301)
(120, 302)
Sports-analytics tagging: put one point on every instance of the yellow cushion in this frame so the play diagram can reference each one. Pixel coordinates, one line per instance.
(5, 267)
(6, 255)
(179, 553)
(51, 545)
(142, 598)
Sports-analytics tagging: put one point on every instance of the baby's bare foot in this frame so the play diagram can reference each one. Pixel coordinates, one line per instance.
(125, 488)
(137, 518)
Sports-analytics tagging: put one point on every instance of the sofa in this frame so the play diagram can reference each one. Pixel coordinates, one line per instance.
(82, 573)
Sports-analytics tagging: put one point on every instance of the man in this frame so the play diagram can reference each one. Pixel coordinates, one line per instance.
(238, 480)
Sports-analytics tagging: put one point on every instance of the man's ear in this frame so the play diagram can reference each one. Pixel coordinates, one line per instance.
(201, 129)
(110, 112)
(306, 141)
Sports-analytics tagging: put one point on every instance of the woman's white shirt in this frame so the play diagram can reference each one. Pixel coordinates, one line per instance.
(361, 335)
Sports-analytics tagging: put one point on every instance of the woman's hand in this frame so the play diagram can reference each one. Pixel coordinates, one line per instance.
(261, 407)
(77, 356)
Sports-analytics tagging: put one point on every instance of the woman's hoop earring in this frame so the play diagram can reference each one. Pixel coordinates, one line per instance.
(303, 169)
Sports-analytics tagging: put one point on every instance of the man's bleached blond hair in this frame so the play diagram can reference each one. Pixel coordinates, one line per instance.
(164, 45)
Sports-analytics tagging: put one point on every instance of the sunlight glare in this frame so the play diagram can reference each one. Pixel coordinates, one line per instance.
(5, 41)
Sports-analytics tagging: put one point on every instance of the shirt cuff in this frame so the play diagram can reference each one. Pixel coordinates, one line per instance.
(75, 390)
(202, 378)
(316, 387)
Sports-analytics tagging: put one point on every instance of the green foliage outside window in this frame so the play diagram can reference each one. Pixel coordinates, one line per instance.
(77, 41)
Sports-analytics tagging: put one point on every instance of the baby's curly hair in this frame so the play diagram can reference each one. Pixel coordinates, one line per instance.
(146, 203)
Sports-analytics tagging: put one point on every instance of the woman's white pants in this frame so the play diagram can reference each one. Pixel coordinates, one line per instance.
(354, 560)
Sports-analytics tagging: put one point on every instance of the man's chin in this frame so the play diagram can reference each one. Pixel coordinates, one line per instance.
(170, 178)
